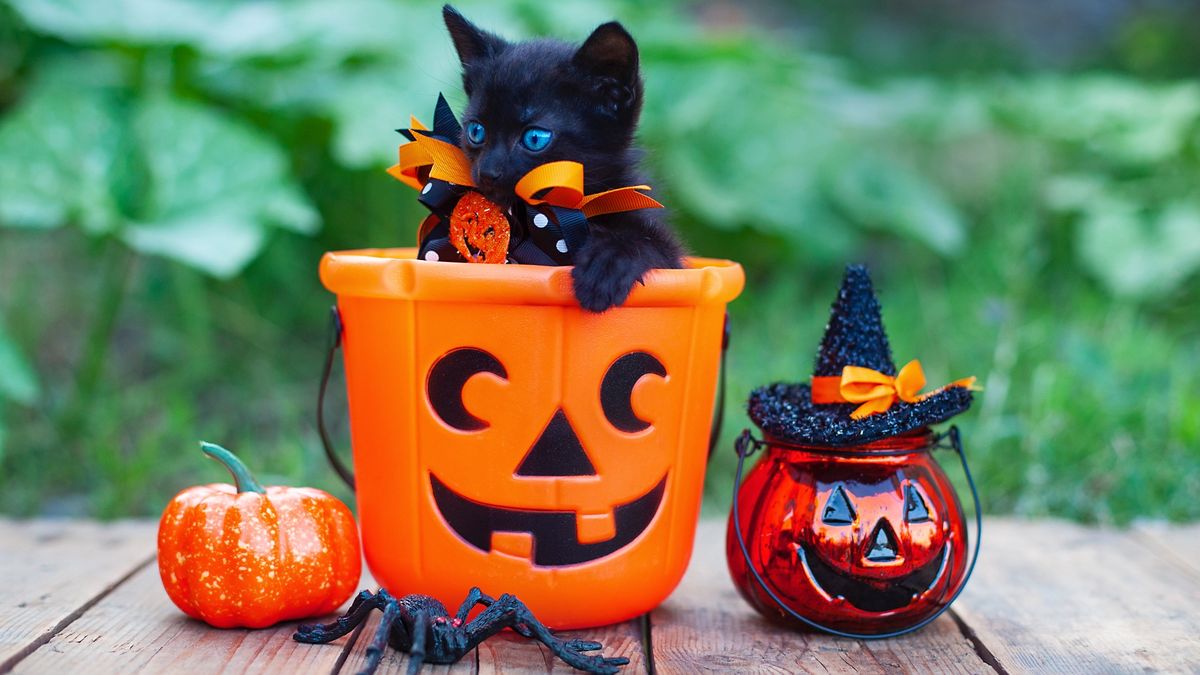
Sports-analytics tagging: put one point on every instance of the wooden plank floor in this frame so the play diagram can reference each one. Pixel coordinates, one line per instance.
(1048, 596)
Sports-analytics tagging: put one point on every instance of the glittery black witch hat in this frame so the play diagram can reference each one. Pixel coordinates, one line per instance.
(856, 360)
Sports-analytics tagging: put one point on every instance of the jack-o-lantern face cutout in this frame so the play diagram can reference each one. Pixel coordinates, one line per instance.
(877, 545)
(853, 541)
(554, 536)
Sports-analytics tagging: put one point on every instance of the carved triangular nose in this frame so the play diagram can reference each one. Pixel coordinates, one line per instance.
(882, 545)
(557, 452)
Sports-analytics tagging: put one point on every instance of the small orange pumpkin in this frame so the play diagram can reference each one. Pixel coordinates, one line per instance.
(249, 556)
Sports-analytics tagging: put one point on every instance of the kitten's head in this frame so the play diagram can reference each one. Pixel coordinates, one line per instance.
(541, 101)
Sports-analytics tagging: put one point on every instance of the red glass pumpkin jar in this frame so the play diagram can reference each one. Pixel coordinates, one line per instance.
(866, 539)
(847, 523)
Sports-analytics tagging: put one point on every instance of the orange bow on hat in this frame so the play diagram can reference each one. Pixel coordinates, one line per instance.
(876, 391)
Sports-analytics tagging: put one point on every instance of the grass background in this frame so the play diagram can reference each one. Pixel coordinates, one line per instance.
(1022, 181)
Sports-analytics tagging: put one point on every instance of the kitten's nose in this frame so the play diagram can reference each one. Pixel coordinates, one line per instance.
(489, 176)
(489, 169)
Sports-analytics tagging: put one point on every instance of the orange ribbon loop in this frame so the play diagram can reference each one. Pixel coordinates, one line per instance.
(413, 159)
(450, 163)
(561, 184)
(558, 184)
(876, 391)
(555, 183)
(428, 157)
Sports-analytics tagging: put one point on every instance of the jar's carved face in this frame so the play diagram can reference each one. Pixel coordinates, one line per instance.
(561, 499)
(874, 539)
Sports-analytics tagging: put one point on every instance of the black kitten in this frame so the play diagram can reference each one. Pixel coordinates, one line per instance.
(541, 101)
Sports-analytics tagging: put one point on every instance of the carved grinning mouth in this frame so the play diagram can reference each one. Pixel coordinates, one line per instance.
(894, 594)
(555, 538)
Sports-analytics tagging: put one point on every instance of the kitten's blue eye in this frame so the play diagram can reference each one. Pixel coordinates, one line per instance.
(536, 139)
(476, 133)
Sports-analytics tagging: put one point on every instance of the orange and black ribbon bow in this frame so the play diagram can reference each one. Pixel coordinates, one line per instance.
(435, 165)
(876, 391)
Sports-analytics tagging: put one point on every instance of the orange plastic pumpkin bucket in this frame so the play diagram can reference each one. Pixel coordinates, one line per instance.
(507, 439)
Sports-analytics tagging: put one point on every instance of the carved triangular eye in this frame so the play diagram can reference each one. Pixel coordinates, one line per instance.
(838, 510)
(915, 510)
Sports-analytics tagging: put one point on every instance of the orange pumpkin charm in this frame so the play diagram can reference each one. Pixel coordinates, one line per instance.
(249, 556)
(479, 229)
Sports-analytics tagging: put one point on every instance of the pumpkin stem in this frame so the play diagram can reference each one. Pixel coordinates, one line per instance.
(241, 475)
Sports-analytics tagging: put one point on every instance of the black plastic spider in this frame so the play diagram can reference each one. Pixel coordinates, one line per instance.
(421, 626)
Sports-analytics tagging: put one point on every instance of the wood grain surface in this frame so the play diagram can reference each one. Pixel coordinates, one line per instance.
(54, 570)
(1048, 596)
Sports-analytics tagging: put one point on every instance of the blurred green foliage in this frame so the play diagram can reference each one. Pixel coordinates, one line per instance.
(171, 170)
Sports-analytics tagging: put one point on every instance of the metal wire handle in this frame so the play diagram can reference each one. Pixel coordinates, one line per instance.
(335, 341)
(746, 445)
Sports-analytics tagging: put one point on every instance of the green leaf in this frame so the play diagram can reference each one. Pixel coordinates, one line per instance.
(275, 29)
(1118, 119)
(216, 242)
(134, 21)
(1140, 253)
(1075, 192)
(730, 151)
(362, 103)
(18, 381)
(877, 193)
(215, 185)
(58, 152)
(365, 111)
(366, 101)
(167, 176)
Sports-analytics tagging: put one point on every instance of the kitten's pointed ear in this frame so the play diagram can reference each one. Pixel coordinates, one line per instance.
(472, 43)
(610, 52)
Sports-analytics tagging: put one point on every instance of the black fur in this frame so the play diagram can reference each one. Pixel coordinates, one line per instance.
(590, 97)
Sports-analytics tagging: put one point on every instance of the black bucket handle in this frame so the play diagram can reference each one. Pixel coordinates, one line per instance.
(335, 342)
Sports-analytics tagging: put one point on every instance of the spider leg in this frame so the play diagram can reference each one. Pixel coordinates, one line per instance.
(380, 641)
(478, 597)
(474, 597)
(509, 612)
(416, 654)
(315, 633)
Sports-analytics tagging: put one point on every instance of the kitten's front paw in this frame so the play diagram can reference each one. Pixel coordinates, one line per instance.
(602, 281)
